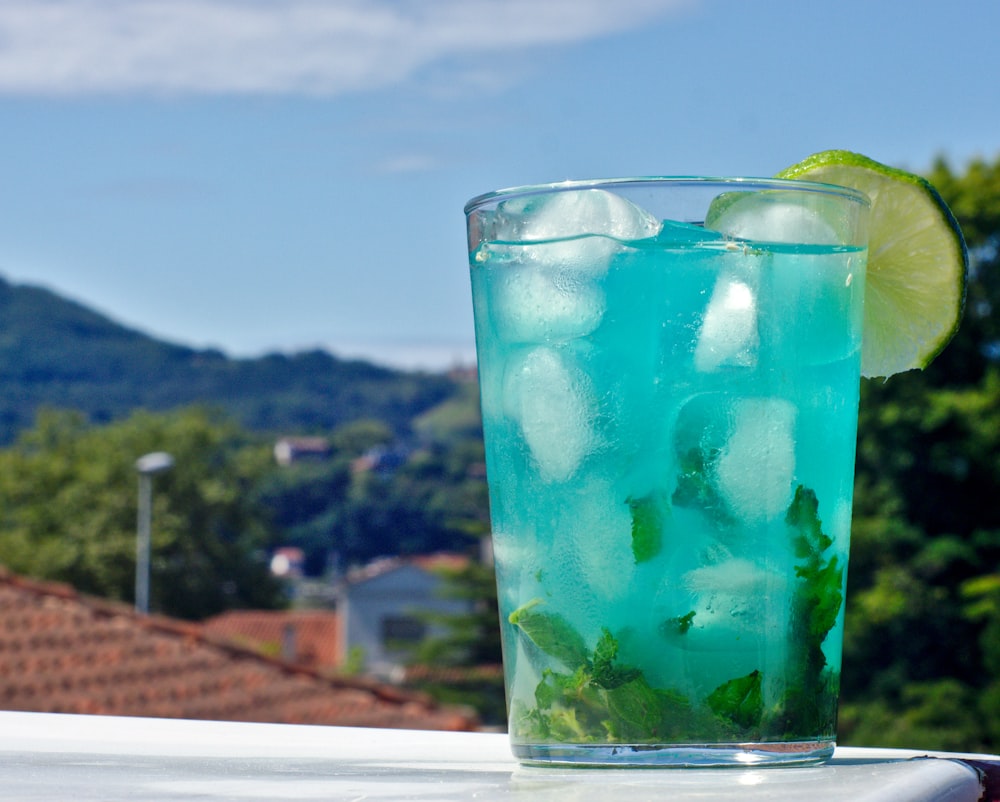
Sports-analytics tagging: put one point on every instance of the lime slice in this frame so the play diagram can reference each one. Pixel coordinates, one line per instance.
(917, 261)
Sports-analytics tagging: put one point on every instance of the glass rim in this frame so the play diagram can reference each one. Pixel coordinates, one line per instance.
(529, 190)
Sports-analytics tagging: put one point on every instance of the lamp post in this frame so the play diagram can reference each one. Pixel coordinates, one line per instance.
(147, 466)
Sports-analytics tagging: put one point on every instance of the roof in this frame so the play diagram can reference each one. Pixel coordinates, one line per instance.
(289, 449)
(311, 635)
(431, 563)
(64, 652)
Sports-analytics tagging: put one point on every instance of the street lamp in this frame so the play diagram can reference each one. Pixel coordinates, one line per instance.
(147, 466)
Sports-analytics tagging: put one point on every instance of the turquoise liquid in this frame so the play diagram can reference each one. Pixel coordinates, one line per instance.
(670, 430)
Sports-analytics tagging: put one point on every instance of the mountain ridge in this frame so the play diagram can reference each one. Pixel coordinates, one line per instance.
(56, 352)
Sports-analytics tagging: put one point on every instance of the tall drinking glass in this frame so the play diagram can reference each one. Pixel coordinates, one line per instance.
(669, 374)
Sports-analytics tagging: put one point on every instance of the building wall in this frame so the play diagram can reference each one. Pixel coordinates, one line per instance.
(381, 614)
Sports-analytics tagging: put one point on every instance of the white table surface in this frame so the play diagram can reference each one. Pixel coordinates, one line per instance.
(63, 757)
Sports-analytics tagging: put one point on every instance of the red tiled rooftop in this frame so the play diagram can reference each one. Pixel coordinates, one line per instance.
(61, 651)
(441, 561)
(313, 633)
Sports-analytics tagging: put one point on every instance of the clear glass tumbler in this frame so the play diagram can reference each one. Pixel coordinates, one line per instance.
(669, 375)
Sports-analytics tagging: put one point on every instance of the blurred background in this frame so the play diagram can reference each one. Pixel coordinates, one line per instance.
(232, 230)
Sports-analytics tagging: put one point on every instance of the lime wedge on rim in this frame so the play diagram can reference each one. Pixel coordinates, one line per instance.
(917, 261)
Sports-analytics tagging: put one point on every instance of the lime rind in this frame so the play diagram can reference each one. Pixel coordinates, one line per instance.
(917, 263)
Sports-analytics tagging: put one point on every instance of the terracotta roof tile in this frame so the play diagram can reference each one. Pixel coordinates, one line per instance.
(61, 651)
(314, 633)
(442, 561)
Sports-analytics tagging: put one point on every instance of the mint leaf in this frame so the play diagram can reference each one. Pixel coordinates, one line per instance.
(568, 707)
(823, 596)
(648, 520)
(639, 713)
(602, 701)
(551, 633)
(808, 538)
(695, 488)
(678, 625)
(818, 595)
(809, 706)
(739, 700)
(605, 673)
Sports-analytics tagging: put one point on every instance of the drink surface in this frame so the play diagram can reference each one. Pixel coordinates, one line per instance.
(670, 427)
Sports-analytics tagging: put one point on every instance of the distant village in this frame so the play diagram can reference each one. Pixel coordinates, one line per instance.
(342, 654)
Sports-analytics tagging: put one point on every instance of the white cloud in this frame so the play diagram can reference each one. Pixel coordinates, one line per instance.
(278, 46)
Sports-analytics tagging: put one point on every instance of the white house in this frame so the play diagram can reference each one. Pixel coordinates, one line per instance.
(382, 608)
(289, 450)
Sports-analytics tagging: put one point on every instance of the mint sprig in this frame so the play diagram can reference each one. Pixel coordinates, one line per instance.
(678, 625)
(600, 699)
(739, 700)
(593, 696)
(551, 633)
(810, 703)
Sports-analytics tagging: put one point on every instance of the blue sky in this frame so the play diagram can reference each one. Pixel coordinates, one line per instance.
(259, 175)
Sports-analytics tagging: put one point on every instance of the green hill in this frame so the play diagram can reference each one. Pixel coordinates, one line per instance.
(57, 353)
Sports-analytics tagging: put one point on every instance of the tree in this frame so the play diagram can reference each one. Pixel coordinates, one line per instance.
(923, 611)
(974, 197)
(469, 642)
(68, 503)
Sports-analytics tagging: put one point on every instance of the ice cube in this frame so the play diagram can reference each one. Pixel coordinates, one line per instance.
(581, 229)
(728, 335)
(552, 403)
(572, 213)
(551, 248)
(755, 468)
(597, 543)
(704, 423)
(542, 303)
(778, 216)
(732, 577)
(517, 558)
(730, 603)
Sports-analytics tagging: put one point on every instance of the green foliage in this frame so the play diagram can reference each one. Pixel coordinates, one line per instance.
(469, 643)
(415, 509)
(922, 643)
(428, 497)
(470, 639)
(68, 499)
(940, 714)
(454, 420)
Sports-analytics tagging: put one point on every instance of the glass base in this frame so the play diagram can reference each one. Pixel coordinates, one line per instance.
(749, 755)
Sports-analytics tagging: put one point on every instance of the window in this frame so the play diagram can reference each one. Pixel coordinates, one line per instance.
(402, 629)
